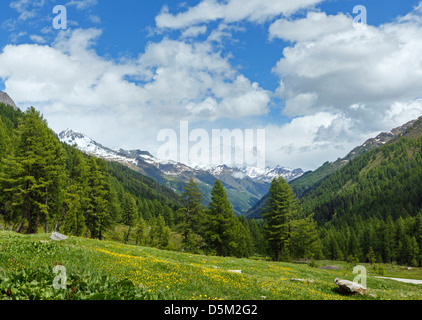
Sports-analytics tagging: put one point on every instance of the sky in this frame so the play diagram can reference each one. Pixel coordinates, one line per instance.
(318, 76)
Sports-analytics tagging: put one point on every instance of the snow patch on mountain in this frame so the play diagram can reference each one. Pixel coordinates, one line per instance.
(173, 168)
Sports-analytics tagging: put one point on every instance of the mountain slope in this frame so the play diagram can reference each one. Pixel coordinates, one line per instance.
(381, 183)
(244, 186)
(5, 99)
(311, 180)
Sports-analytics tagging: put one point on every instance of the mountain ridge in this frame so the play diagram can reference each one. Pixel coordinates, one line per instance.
(6, 99)
(312, 179)
(245, 186)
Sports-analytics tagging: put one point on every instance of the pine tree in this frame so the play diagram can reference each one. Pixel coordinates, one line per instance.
(281, 208)
(4, 140)
(160, 234)
(192, 212)
(129, 209)
(72, 219)
(34, 174)
(102, 199)
(305, 241)
(220, 221)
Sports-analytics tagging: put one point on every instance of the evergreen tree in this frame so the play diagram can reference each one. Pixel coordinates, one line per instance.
(72, 220)
(220, 221)
(305, 241)
(33, 175)
(281, 208)
(192, 213)
(129, 209)
(160, 234)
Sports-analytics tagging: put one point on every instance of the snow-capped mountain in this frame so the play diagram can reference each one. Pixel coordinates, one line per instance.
(245, 186)
(260, 174)
(169, 167)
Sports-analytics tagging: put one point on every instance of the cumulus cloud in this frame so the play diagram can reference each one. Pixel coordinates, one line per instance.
(314, 26)
(361, 73)
(171, 81)
(309, 141)
(231, 11)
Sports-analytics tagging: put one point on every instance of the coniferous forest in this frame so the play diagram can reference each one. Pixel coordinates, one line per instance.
(369, 210)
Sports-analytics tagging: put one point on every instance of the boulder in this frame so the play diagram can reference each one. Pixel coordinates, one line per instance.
(350, 287)
(57, 237)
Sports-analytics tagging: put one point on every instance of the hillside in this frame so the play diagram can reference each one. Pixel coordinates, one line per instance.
(311, 180)
(75, 193)
(379, 183)
(5, 99)
(102, 270)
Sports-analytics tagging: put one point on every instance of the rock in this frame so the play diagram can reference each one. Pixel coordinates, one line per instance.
(236, 271)
(330, 267)
(347, 286)
(4, 98)
(310, 281)
(57, 237)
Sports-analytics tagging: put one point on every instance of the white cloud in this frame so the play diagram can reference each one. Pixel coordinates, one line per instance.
(358, 72)
(37, 38)
(94, 19)
(194, 31)
(231, 11)
(314, 26)
(171, 81)
(82, 4)
(309, 141)
(27, 9)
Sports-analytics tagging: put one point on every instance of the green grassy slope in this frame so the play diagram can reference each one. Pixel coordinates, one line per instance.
(108, 270)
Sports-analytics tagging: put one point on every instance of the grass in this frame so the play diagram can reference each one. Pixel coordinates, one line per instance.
(110, 270)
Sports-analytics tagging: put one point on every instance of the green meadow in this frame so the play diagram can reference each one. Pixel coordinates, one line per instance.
(98, 270)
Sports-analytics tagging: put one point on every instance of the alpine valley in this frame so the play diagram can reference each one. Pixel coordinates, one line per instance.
(245, 186)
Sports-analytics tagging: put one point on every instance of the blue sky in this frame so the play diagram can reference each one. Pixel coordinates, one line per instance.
(300, 69)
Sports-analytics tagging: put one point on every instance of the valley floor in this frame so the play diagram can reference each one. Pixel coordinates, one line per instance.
(101, 270)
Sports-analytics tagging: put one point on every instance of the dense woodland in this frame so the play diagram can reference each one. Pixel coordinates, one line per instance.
(371, 208)
(368, 210)
(49, 186)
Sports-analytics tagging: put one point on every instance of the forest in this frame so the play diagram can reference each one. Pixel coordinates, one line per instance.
(368, 210)
(49, 186)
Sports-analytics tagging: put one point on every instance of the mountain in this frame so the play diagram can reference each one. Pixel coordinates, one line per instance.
(244, 186)
(312, 179)
(4, 98)
(379, 183)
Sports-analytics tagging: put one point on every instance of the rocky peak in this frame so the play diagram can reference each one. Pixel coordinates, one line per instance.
(5, 98)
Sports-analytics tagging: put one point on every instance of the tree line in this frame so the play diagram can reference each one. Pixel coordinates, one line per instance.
(370, 209)
(49, 186)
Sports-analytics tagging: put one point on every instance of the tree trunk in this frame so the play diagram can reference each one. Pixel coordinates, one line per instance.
(46, 205)
(38, 220)
(29, 217)
(19, 229)
(77, 224)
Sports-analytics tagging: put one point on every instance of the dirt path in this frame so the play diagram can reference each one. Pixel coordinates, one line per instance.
(403, 280)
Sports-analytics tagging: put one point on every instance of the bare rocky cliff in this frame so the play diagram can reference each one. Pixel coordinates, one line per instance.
(5, 98)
